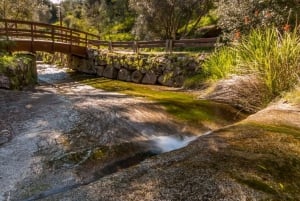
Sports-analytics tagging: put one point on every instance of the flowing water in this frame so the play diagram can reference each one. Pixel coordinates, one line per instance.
(64, 128)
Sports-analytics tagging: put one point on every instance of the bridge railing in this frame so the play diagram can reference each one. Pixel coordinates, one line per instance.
(34, 31)
(25, 30)
(168, 45)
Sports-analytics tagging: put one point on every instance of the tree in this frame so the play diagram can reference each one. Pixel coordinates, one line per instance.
(168, 19)
(240, 16)
(20, 9)
(105, 14)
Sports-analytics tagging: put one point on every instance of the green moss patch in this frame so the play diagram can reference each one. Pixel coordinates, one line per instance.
(284, 129)
(182, 105)
(258, 185)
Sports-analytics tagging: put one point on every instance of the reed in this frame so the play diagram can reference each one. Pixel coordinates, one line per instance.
(273, 56)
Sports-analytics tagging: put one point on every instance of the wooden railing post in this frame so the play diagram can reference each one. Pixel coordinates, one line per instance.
(32, 38)
(110, 46)
(170, 46)
(71, 41)
(52, 37)
(98, 46)
(6, 30)
(136, 47)
(86, 40)
(167, 46)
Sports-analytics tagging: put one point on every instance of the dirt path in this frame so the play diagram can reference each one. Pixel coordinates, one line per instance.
(59, 118)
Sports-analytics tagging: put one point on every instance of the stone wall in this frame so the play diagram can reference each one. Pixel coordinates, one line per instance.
(168, 70)
(20, 73)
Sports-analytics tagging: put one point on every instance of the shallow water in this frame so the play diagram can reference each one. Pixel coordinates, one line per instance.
(130, 129)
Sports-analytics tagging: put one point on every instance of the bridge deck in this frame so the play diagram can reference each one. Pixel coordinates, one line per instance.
(47, 46)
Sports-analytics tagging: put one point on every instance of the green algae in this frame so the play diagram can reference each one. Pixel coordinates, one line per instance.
(258, 185)
(284, 129)
(182, 105)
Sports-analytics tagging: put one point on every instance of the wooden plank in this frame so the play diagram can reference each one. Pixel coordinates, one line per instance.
(193, 44)
(198, 40)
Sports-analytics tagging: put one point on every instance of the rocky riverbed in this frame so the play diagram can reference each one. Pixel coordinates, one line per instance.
(63, 134)
(68, 141)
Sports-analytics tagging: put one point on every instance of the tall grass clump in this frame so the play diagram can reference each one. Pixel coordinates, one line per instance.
(220, 64)
(273, 56)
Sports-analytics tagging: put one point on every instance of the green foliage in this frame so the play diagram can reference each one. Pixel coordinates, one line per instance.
(194, 82)
(273, 56)
(240, 16)
(119, 31)
(6, 61)
(293, 96)
(168, 19)
(210, 19)
(23, 9)
(221, 63)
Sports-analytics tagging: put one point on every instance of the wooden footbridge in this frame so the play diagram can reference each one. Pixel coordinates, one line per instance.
(35, 36)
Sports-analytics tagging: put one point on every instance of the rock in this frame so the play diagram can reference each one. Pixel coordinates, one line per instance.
(117, 64)
(178, 81)
(102, 62)
(100, 70)
(4, 82)
(110, 72)
(149, 78)
(5, 136)
(83, 65)
(137, 76)
(124, 75)
(164, 80)
(244, 92)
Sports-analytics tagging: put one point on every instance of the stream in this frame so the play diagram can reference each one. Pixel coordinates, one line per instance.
(63, 128)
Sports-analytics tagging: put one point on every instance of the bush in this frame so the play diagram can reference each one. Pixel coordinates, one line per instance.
(220, 64)
(5, 61)
(241, 16)
(273, 56)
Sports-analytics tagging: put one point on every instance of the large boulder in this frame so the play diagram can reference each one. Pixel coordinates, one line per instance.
(82, 65)
(165, 80)
(100, 70)
(137, 76)
(149, 78)
(110, 72)
(124, 75)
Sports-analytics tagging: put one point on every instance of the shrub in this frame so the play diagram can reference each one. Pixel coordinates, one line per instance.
(273, 56)
(241, 16)
(220, 64)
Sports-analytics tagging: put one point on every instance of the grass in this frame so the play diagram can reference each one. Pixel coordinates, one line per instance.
(258, 185)
(6, 61)
(288, 130)
(182, 105)
(272, 56)
(293, 96)
(265, 157)
(220, 64)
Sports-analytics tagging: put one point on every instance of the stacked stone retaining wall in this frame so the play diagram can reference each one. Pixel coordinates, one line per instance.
(168, 70)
